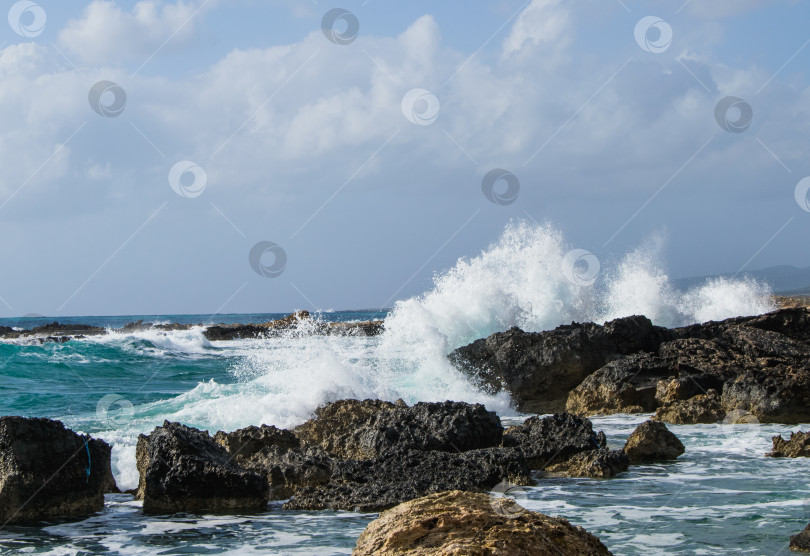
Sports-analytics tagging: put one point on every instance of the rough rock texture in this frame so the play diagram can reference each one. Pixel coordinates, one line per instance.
(652, 441)
(402, 475)
(184, 470)
(548, 440)
(801, 542)
(350, 429)
(539, 369)
(679, 389)
(299, 321)
(278, 453)
(596, 464)
(797, 447)
(48, 471)
(772, 395)
(468, 523)
(627, 385)
(703, 408)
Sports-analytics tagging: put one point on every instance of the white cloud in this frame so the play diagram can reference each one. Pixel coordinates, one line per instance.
(542, 22)
(106, 34)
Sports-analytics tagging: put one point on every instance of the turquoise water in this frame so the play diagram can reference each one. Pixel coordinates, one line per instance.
(722, 496)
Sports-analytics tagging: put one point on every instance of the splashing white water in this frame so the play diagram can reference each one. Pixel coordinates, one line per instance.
(518, 281)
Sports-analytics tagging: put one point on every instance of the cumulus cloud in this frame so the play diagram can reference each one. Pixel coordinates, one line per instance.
(107, 34)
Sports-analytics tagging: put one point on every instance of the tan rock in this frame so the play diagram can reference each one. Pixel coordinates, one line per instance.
(797, 447)
(703, 408)
(458, 522)
(595, 464)
(652, 441)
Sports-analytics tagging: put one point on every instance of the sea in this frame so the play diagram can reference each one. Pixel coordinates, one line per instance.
(722, 496)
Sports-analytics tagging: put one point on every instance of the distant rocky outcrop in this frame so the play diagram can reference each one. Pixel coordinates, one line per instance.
(183, 469)
(459, 522)
(652, 442)
(49, 471)
(797, 446)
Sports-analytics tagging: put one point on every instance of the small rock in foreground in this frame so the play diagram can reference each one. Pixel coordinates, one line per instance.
(652, 441)
(458, 522)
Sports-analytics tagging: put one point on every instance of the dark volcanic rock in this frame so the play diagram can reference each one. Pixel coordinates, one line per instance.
(56, 329)
(401, 475)
(548, 440)
(278, 453)
(652, 441)
(539, 369)
(49, 471)
(596, 464)
(798, 446)
(801, 542)
(351, 429)
(184, 470)
(455, 523)
(772, 395)
(627, 385)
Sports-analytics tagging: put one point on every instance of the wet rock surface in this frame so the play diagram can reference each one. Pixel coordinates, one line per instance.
(183, 469)
(595, 464)
(49, 471)
(797, 446)
(756, 364)
(458, 522)
(801, 541)
(544, 441)
(539, 369)
(652, 441)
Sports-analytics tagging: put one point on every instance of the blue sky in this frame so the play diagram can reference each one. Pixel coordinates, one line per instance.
(304, 143)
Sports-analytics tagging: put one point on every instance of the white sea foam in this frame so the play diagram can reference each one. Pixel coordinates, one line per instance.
(518, 281)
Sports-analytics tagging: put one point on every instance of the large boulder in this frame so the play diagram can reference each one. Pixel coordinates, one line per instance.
(351, 429)
(548, 440)
(595, 464)
(651, 442)
(278, 454)
(183, 469)
(49, 471)
(539, 369)
(773, 395)
(401, 475)
(459, 522)
(703, 408)
(798, 446)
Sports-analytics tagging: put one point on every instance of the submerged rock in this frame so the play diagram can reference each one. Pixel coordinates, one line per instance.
(547, 440)
(539, 369)
(49, 471)
(459, 522)
(351, 429)
(183, 469)
(798, 446)
(401, 475)
(651, 442)
(279, 455)
(596, 464)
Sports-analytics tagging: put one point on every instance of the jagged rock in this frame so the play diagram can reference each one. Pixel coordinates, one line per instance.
(401, 475)
(801, 541)
(351, 429)
(772, 395)
(798, 446)
(183, 469)
(627, 385)
(49, 471)
(459, 522)
(539, 369)
(679, 389)
(703, 408)
(548, 440)
(652, 441)
(278, 453)
(596, 464)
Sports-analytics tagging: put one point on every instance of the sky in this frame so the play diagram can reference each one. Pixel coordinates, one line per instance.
(168, 157)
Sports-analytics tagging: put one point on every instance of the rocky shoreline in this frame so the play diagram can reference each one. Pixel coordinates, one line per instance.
(445, 463)
(300, 321)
